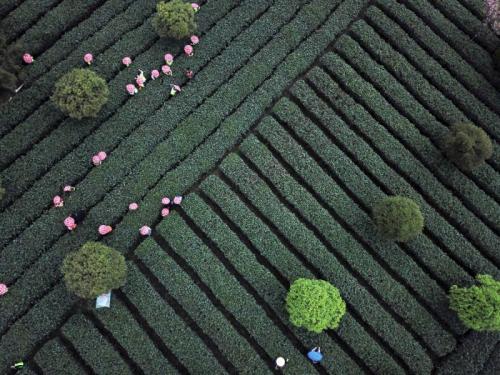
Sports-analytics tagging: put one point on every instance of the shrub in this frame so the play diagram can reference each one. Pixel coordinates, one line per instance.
(398, 218)
(80, 93)
(315, 305)
(11, 72)
(467, 146)
(93, 270)
(174, 19)
(478, 307)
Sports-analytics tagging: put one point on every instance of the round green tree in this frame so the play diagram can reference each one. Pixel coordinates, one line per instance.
(174, 19)
(93, 270)
(467, 146)
(478, 307)
(80, 93)
(315, 305)
(398, 218)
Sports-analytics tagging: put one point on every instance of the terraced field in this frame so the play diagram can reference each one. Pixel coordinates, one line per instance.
(301, 115)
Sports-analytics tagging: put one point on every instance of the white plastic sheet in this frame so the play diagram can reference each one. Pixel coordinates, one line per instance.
(104, 300)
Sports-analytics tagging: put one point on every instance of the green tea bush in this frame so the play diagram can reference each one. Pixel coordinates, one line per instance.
(496, 59)
(315, 305)
(478, 307)
(11, 73)
(398, 218)
(174, 19)
(2, 190)
(93, 270)
(467, 145)
(80, 93)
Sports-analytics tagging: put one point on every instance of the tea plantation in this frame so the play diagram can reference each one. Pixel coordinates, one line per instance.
(300, 116)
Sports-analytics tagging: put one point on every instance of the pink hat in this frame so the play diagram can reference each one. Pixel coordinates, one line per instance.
(3, 289)
(165, 212)
(176, 88)
(177, 199)
(68, 188)
(127, 61)
(58, 201)
(155, 74)
(96, 160)
(88, 58)
(104, 229)
(69, 221)
(195, 7)
(140, 81)
(169, 59)
(133, 206)
(145, 230)
(130, 89)
(165, 200)
(28, 59)
(166, 70)
(188, 50)
(102, 155)
(194, 40)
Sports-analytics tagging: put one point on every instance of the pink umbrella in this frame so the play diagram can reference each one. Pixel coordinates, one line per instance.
(145, 230)
(194, 40)
(165, 212)
(169, 59)
(68, 188)
(104, 229)
(88, 58)
(195, 7)
(69, 221)
(131, 89)
(165, 201)
(96, 160)
(188, 50)
(166, 70)
(58, 201)
(133, 206)
(3, 289)
(155, 74)
(127, 61)
(177, 199)
(102, 155)
(28, 59)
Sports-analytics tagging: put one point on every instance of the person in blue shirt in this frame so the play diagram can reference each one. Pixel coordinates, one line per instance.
(315, 355)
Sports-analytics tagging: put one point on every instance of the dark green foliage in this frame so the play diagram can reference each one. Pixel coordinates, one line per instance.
(315, 305)
(478, 307)
(80, 93)
(496, 59)
(398, 218)
(11, 74)
(467, 145)
(174, 19)
(93, 270)
(2, 190)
